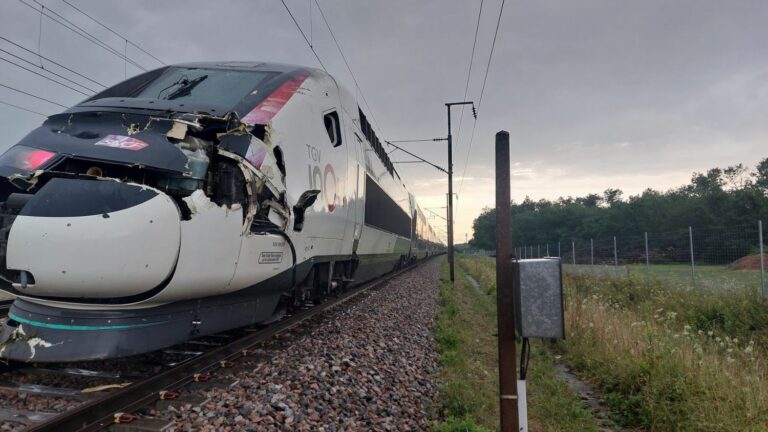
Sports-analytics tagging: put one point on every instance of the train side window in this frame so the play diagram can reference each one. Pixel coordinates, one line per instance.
(332, 126)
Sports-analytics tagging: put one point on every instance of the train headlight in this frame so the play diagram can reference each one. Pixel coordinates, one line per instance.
(25, 158)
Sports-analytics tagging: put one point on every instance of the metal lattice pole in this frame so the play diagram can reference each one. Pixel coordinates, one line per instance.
(762, 257)
(647, 258)
(693, 263)
(573, 249)
(615, 253)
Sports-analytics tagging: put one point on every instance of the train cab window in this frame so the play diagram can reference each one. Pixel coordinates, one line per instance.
(333, 127)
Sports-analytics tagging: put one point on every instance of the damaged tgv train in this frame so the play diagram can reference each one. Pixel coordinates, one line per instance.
(192, 199)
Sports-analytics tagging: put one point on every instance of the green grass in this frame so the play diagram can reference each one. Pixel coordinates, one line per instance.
(736, 313)
(656, 372)
(465, 333)
(712, 277)
(669, 357)
(664, 356)
(717, 278)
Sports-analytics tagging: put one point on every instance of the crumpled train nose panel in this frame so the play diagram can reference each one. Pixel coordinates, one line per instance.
(94, 239)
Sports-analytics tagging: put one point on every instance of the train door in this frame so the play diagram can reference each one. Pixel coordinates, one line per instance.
(328, 152)
(359, 208)
(328, 174)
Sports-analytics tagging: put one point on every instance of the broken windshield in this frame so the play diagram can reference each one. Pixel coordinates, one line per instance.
(221, 87)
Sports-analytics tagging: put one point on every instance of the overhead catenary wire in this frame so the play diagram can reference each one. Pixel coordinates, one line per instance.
(304, 36)
(469, 72)
(46, 77)
(80, 32)
(338, 46)
(482, 92)
(417, 140)
(44, 69)
(490, 56)
(33, 95)
(87, 35)
(2, 102)
(113, 31)
(52, 61)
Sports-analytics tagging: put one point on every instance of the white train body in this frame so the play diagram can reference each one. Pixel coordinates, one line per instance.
(156, 210)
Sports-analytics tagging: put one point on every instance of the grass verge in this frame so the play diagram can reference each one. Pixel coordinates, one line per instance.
(666, 357)
(465, 332)
(670, 358)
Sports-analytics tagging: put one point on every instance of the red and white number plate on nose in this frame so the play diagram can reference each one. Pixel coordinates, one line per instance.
(122, 142)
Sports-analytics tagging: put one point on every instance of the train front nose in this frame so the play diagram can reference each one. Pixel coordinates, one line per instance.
(93, 239)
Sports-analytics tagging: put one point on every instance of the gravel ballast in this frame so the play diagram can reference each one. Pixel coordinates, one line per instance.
(367, 365)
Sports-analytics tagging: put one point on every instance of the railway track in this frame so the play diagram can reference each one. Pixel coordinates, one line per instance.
(199, 363)
(4, 306)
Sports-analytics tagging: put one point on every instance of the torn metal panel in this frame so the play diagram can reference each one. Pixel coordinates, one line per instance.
(86, 136)
(31, 342)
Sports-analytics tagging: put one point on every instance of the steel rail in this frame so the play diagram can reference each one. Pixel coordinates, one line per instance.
(5, 306)
(99, 413)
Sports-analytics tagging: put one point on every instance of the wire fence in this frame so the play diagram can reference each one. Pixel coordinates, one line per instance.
(715, 257)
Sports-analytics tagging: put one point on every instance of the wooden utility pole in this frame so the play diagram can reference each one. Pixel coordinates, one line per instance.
(504, 291)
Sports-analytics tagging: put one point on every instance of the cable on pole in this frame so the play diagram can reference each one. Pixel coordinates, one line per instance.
(482, 92)
(32, 95)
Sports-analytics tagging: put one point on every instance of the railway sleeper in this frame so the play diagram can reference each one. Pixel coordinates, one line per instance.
(143, 425)
(24, 417)
(190, 399)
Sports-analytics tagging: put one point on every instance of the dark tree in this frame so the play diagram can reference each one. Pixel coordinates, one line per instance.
(717, 198)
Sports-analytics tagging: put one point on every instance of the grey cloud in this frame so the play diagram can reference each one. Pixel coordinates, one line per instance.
(685, 83)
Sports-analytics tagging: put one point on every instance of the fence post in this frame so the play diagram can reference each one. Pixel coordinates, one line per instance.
(693, 262)
(762, 257)
(591, 252)
(573, 249)
(647, 259)
(558, 250)
(615, 253)
(547, 248)
(539, 250)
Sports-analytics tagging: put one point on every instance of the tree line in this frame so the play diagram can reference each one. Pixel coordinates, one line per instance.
(718, 197)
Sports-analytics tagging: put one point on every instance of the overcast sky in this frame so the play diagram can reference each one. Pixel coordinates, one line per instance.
(595, 94)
